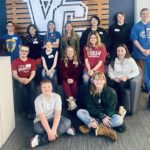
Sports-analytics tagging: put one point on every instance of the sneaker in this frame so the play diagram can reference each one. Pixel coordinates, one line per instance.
(71, 131)
(143, 87)
(122, 111)
(71, 104)
(34, 141)
(149, 101)
(121, 128)
(105, 131)
(84, 129)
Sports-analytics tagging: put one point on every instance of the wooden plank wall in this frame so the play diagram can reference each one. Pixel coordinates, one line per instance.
(17, 11)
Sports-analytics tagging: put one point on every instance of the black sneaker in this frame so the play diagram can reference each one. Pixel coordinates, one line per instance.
(143, 87)
(149, 101)
(121, 128)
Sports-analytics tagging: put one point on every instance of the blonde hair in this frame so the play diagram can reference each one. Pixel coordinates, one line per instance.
(100, 75)
(75, 57)
(98, 43)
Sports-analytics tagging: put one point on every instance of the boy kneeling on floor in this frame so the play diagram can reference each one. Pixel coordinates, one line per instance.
(49, 124)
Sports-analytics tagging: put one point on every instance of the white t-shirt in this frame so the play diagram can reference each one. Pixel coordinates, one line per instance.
(47, 106)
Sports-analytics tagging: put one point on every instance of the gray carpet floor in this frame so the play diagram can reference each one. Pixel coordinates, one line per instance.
(136, 137)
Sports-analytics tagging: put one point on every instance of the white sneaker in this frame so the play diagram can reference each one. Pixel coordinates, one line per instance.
(71, 131)
(34, 141)
(122, 111)
(71, 104)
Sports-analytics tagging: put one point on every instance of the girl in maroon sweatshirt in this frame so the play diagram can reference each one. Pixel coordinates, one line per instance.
(71, 70)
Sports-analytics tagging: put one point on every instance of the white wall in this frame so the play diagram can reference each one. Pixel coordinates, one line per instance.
(139, 4)
(7, 118)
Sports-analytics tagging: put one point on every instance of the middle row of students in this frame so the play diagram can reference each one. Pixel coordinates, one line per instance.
(120, 71)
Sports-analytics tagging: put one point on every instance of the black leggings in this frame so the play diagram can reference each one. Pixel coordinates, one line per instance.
(120, 89)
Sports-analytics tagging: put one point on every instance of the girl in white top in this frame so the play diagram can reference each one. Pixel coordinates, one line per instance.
(121, 70)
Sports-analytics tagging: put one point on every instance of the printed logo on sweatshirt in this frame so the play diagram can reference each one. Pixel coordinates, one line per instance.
(94, 53)
(145, 34)
(10, 45)
(24, 68)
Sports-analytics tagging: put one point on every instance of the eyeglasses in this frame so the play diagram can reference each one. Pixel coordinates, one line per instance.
(24, 51)
(9, 25)
(101, 78)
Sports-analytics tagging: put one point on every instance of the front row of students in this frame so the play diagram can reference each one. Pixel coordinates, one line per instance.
(99, 113)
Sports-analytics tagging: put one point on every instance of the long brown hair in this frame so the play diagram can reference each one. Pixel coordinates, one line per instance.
(98, 43)
(75, 57)
(72, 32)
(48, 30)
(127, 55)
(100, 76)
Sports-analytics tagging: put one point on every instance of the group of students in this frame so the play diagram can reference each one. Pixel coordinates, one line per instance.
(71, 57)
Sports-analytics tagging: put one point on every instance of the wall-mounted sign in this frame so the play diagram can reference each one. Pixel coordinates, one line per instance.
(39, 12)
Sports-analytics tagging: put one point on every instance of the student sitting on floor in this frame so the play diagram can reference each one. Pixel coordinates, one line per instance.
(100, 109)
(49, 124)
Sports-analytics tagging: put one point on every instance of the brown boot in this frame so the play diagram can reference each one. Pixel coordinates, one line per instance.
(105, 131)
(84, 129)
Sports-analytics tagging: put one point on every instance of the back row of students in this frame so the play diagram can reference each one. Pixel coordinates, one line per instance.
(119, 33)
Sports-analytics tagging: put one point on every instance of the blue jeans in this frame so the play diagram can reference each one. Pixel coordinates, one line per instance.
(115, 121)
(86, 80)
(52, 77)
(63, 126)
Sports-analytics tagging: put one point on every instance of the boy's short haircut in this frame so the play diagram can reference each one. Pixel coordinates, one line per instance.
(10, 22)
(116, 15)
(97, 18)
(144, 9)
(45, 81)
(48, 41)
(24, 46)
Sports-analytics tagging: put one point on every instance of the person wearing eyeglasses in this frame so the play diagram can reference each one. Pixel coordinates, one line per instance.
(23, 70)
(11, 41)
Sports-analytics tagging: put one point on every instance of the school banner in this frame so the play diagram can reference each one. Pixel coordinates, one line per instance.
(39, 12)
